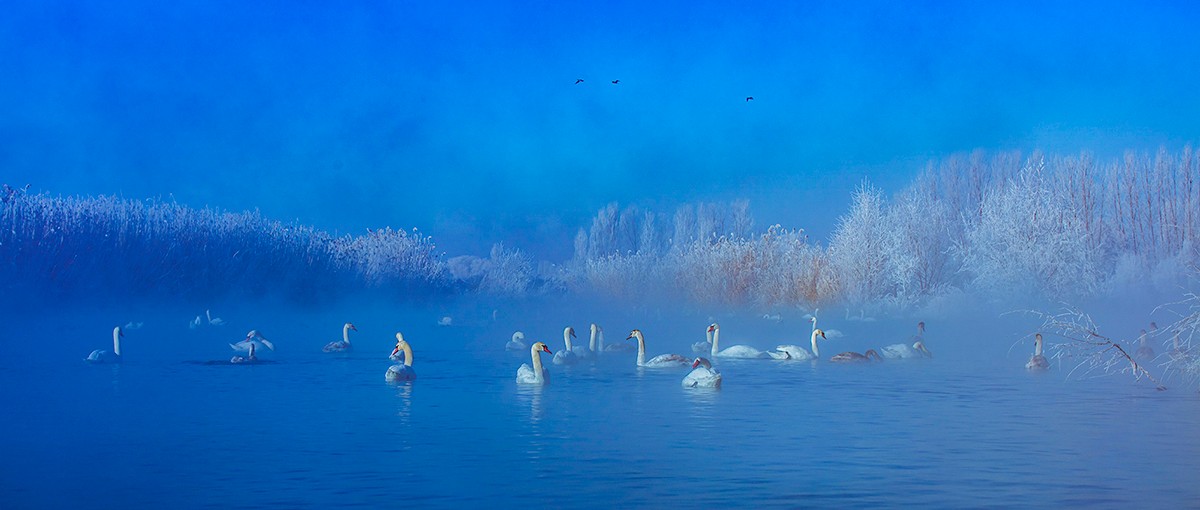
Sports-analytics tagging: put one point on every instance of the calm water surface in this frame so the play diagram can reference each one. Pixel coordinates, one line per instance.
(316, 430)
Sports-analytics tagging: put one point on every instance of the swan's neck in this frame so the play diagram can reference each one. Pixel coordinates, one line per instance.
(346, 334)
(816, 352)
(592, 341)
(641, 349)
(567, 339)
(716, 337)
(117, 342)
(1037, 347)
(600, 341)
(537, 364)
(708, 334)
(407, 353)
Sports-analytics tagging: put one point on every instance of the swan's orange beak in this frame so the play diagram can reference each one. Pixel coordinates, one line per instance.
(394, 351)
(710, 329)
(547, 349)
(353, 327)
(695, 363)
(573, 333)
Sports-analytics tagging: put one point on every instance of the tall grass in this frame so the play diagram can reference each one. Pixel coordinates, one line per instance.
(74, 246)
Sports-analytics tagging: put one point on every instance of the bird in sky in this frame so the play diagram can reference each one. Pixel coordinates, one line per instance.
(616, 82)
(578, 81)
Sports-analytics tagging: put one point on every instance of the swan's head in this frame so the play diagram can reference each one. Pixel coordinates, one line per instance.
(518, 336)
(542, 347)
(702, 362)
(1037, 338)
(871, 354)
(712, 328)
(253, 334)
(818, 333)
(400, 338)
(1153, 326)
(595, 328)
(637, 333)
(117, 331)
(921, 327)
(350, 326)
(569, 331)
(920, 347)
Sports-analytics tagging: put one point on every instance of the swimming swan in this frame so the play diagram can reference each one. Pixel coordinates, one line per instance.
(660, 361)
(250, 358)
(1037, 361)
(566, 356)
(101, 356)
(798, 353)
(703, 375)
(706, 345)
(517, 343)
(252, 338)
(537, 374)
(740, 351)
(404, 372)
(854, 357)
(344, 345)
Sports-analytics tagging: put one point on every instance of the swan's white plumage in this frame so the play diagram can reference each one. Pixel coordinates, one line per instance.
(253, 337)
(739, 351)
(344, 344)
(1037, 361)
(102, 356)
(536, 374)
(401, 372)
(567, 356)
(660, 361)
(798, 353)
(703, 375)
(517, 343)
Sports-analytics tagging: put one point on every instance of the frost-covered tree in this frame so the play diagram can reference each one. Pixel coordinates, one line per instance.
(858, 247)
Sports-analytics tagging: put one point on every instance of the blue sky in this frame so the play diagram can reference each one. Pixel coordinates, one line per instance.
(464, 120)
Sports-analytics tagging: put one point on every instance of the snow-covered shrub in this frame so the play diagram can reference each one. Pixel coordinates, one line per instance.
(1028, 238)
(858, 249)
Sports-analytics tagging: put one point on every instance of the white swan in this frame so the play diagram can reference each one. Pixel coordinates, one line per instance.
(566, 356)
(536, 374)
(798, 353)
(101, 356)
(703, 375)
(402, 372)
(592, 350)
(250, 358)
(1037, 361)
(904, 351)
(194, 323)
(517, 343)
(252, 338)
(344, 345)
(705, 347)
(213, 321)
(446, 321)
(830, 333)
(739, 351)
(660, 361)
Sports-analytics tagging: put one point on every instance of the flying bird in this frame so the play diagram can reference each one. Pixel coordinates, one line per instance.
(578, 81)
(749, 98)
(616, 82)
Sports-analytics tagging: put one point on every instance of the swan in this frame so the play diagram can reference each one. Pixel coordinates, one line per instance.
(445, 321)
(854, 357)
(566, 356)
(798, 353)
(250, 358)
(703, 375)
(739, 351)
(596, 341)
(903, 351)
(537, 374)
(194, 323)
(213, 321)
(705, 346)
(402, 372)
(517, 343)
(1037, 361)
(101, 356)
(252, 338)
(1144, 351)
(344, 345)
(830, 333)
(592, 350)
(660, 361)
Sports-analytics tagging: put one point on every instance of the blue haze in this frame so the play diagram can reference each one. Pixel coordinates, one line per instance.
(463, 119)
